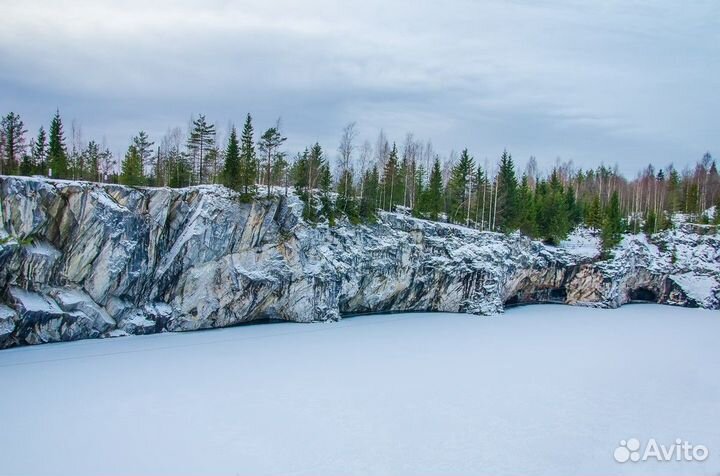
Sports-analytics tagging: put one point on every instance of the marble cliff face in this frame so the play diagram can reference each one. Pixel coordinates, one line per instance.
(81, 260)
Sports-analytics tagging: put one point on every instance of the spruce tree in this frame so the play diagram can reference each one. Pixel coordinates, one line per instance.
(692, 199)
(594, 214)
(248, 161)
(392, 182)
(91, 158)
(674, 191)
(481, 185)
(179, 168)
(552, 217)
(132, 168)
(328, 209)
(527, 213)
(57, 153)
(420, 206)
(231, 172)
(459, 189)
(435, 191)
(346, 195)
(13, 138)
(507, 205)
(39, 152)
(27, 166)
(650, 223)
(368, 204)
(613, 223)
(300, 173)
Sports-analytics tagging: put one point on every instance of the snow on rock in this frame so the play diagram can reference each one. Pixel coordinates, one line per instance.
(583, 242)
(103, 260)
(700, 291)
(7, 323)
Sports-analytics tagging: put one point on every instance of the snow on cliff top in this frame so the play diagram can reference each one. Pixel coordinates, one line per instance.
(582, 242)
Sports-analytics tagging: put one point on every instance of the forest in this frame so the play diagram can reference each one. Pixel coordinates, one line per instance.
(362, 177)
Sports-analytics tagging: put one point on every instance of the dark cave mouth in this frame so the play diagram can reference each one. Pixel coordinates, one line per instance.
(643, 295)
(538, 296)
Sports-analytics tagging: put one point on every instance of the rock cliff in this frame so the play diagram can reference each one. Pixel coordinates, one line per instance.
(81, 260)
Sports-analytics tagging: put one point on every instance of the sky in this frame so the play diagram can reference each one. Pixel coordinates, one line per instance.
(622, 82)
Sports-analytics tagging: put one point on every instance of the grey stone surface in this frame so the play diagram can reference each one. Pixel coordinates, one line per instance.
(81, 260)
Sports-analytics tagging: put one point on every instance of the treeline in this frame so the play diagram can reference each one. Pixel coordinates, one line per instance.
(366, 178)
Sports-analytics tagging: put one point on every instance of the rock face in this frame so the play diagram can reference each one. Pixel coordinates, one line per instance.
(80, 260)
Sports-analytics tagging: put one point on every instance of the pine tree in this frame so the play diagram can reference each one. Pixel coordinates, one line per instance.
(507, 206)
(13, 138)
(459, 189)
(132, 168)
(57, 153)
(231, 172)
(143, 145)
(269, 145)
(200, 142)
(248, 161)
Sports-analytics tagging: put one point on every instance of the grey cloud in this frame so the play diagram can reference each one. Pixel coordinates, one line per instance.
(629, 82)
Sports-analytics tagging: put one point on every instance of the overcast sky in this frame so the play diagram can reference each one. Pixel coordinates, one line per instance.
(626, 82)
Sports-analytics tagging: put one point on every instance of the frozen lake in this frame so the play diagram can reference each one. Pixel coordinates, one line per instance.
(541, 390)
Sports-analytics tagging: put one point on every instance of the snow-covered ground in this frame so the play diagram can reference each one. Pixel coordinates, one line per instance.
(541, 390)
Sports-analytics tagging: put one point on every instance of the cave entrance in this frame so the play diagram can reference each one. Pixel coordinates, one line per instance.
(643, 295)
(557, 295)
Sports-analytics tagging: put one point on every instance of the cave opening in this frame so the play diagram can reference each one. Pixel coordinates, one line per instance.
(558, 294)
(643, 295)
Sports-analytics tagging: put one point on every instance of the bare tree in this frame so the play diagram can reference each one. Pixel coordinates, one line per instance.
(345, 149)
(365, 154)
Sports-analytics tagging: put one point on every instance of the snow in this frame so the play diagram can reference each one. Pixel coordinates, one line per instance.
(542, 390)
(582, 242)
(700, 288)
(43, 248)
(34, 302)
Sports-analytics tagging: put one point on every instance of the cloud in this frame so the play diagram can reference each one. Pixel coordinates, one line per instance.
(630, 81)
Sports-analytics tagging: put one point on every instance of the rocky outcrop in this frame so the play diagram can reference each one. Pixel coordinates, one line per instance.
(80, 260)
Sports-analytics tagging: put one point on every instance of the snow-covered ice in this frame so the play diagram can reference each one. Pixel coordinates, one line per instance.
(541, 390)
